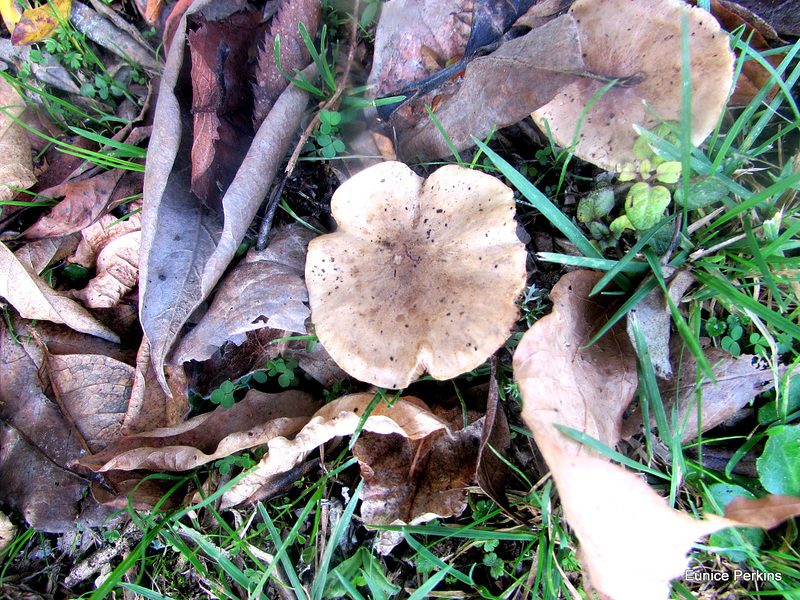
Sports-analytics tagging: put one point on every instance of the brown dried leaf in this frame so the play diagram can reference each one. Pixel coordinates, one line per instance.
(95, 391)
(411, 30)
(408, 417)
(34, 299)
(149, 407)
(45, 494)
(102, 232)
(257, 419)
(37, 256)
(500, 89)
(409, 482)
(117, 273)
(767, 512)
(84, 202)
(587, 388)
(270, 82)
(266, 289)
(783, 16)
(7, 532)
(16, 165)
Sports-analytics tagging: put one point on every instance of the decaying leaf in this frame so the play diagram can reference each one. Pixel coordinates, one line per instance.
(270, 82)
(85, 201)
(39, 23)
(44, 493)
(16, 165)
(408, 417)
(41, 254)
(415, 38)
(500, 89)
(33, 299)
(767, 512)
(186, 244)
(783, 16)
(101, 233)
(409, 482)
(265, 290)
(95, 391)
(739, 380)
(654, 318)
(117, 273)
(7, 532)
(254, 421)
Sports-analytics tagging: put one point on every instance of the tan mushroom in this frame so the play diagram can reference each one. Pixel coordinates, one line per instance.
(421, 275)
(639, 39)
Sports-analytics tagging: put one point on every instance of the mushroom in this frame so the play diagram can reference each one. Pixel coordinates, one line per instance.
(639, 40)
(421, 275)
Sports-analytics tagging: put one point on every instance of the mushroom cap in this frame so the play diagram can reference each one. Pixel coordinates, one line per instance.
(623, 38)
(421, 275)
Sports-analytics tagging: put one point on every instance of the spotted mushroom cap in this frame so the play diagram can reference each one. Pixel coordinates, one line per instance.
(421, 275)
(639, 39)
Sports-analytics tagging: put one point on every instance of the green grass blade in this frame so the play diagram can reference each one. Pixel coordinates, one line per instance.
(446, 137)
(541, 203)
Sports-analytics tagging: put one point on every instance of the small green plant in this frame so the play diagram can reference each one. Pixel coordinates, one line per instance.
(284, 369)
(244, 461)
(325, 141)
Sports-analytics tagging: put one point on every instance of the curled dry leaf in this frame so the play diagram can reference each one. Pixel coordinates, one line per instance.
(408, 417)
(7, 532)
(34, 299)
(767, 512)
(187, 245)
(85, 201)
(266, 289)
(616, 38)
(117, 273)
(16, 165)
(632, 543)
(99, 234)
(254, 421)
(408, 481)
(421, 275)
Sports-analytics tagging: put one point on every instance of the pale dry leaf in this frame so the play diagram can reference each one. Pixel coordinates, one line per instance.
(33, 299)
(102, 232)
(584, 387)
(407, 416)
(16, 164)
(500, 89)
(117, 273)
(631, 542)
(767, 512)
(253, 421)
(7, 532)
(38, 255)
(267, 289)
(738, 380)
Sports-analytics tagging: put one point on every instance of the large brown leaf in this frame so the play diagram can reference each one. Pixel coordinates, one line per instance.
(632, 542)
(256, 420)
(501, 89)
(186, 244)
(33, 299)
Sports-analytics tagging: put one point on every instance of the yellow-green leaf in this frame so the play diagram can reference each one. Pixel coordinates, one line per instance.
(11, 12)
(39, 23)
